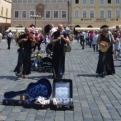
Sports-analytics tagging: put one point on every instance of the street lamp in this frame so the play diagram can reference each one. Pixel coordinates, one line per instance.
(68, 12)
(35, 17)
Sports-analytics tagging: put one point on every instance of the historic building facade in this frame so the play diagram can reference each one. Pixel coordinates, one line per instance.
(51, 11)
(95, 13)
(5, 15)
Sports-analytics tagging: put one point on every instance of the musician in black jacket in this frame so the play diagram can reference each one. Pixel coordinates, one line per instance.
(105, 63)
(26, 43)
(59, 39)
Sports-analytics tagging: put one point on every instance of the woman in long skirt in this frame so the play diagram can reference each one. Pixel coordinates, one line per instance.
(105, 63)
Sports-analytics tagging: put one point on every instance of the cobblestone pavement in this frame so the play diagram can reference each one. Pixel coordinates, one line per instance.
(95, 98)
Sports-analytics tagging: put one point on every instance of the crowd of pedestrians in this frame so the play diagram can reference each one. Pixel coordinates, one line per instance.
(56, 40)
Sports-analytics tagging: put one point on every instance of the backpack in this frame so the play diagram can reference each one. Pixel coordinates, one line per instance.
(10, 35)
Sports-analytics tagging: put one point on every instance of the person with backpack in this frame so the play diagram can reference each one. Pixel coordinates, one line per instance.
(9, 38)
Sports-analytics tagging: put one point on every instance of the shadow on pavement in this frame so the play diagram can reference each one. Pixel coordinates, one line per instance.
(39, 77)
(117, 65)
(89, 75)
(12, 78)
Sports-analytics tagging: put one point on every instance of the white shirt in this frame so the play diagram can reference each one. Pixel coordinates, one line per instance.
(94, 41)
(51, 32)
(117, 45)
(84, 34)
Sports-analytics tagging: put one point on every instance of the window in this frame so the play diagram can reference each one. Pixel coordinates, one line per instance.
(2, 11)
(0, 29)
(84, 1)
(117, 13)
(76, 13)
(91, 14)
(102, 14)
(101, 1)
(76, 1)
(117, 1)
(109, 13)
(55, 14)
(84, 14)
(64, 14)
(109, 1)
(24, 15)
(31, 13)
(6, 12)
(16, 14)
(91, 1)
(47, 13)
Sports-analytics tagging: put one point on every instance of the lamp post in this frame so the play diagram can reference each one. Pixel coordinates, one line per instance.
(35, 17)
(68, 12)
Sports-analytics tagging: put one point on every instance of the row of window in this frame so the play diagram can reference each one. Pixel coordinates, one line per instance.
(92, 14)
(2, 12)
(48, 14)
(100, 1)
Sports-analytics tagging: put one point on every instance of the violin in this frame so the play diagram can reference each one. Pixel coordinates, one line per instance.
(30, 37)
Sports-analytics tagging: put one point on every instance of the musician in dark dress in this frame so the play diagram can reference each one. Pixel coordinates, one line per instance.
(59, 39)
(105, 63)
(26, 42)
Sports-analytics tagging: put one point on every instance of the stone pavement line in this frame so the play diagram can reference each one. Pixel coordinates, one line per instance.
(95, 98)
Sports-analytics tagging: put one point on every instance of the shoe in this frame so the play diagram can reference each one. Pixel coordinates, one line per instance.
(18, 74)
(60, 76)
(103, 74)
(24, 76)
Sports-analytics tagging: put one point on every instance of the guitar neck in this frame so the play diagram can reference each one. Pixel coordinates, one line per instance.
(13, 94)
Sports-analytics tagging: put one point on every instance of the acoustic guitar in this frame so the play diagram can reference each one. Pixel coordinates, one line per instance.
(102, 48)
(40, 88)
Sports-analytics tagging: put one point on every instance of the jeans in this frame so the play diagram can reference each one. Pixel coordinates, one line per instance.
(87, 41)
(95, 47)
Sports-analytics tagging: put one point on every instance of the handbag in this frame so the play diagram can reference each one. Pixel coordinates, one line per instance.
(67, 48)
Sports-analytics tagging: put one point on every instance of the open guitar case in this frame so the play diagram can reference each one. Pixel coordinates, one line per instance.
(62, 97)
(32, 97)
(41, 91)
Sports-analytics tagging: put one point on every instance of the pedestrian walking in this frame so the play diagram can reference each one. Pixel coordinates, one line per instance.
(94, 42)
(9, 38)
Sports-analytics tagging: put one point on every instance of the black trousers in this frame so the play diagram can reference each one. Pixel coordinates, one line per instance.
(82, 43)
(8, 42)
(38, 45)
(58, 61)
(90, 43)
(18, 67)
(24, 58)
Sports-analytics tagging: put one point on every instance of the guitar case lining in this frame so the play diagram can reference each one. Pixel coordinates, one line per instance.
(62, 95)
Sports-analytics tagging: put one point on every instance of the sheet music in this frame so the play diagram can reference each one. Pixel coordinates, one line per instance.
(62, 90)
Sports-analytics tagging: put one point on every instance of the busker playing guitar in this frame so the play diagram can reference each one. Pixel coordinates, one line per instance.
(105, 63)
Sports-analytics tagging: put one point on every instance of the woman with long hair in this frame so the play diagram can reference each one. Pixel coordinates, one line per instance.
(105, 63)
